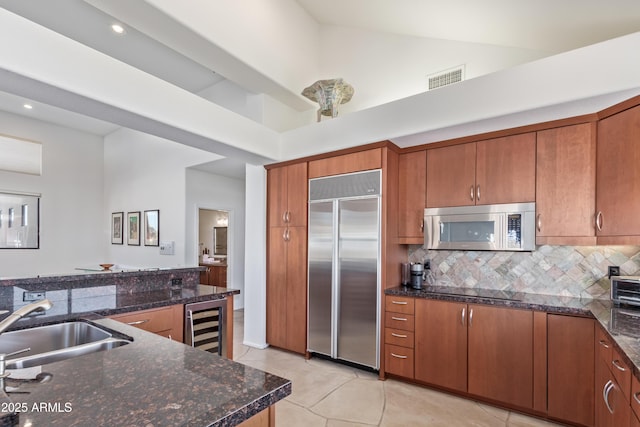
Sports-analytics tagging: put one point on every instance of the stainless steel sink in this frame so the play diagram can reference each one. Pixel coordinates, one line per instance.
(60, 341)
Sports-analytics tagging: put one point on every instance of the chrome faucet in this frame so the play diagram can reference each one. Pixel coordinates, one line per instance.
(41, 305)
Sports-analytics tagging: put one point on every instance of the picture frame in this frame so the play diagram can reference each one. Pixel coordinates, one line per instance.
(133, 228)
(117, 224)
(152, 228)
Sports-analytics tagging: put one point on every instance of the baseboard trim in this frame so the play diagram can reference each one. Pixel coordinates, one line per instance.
(254, 345)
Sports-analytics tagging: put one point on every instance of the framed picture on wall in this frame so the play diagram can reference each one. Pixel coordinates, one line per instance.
(117, 221)
(152, 228)
(133, 228)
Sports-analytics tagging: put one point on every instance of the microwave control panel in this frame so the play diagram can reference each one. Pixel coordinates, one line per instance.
(514, 231)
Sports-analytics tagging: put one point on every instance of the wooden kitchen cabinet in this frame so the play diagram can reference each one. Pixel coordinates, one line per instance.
(566, 185)
(441, 343)
(287, 257)
(287, 195)
(165, 321)
(635, 401)
(618, 178)
(483, 350)
(346, 163)
(611, 408)
(500, 354)
(214, 275)
(497, 170)
(399, 336)
(287, 288)
(412, 187)
(571, 369)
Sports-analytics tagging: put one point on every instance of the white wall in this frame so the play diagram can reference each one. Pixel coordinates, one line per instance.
(72, 227)
(387, 67)
(209, 191)
(255, 272)
(144, 172)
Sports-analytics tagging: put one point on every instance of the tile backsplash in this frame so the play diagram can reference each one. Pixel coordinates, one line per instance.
(576, 271)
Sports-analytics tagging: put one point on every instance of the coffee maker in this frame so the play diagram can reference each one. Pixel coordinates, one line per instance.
(417, 275)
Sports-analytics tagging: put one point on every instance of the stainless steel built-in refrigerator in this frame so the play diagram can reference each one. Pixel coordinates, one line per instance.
(344, 267)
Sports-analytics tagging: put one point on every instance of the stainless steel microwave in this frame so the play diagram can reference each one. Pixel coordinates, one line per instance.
(505, 227)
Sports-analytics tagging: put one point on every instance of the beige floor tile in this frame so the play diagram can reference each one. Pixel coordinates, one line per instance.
(289, 415)
(518, 420)
(356, 401)
(338, 423)
(311, 387)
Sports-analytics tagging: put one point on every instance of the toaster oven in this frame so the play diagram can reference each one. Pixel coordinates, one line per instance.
(625, 290)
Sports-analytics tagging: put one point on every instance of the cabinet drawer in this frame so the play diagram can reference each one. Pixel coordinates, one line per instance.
(154, 320)
(400, 304)
(622, 373)
(399, 361)
(398, 337)
(399, 321)
(603, 346)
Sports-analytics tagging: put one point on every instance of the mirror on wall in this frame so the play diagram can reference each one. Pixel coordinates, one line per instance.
(220, 240)
(213, 233)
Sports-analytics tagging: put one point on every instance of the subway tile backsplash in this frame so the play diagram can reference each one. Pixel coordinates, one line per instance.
(576, 271)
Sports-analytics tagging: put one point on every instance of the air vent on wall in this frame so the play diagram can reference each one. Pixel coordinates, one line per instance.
(447, 77)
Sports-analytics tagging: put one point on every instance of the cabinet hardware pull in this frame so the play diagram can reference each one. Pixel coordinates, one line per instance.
(539, 222)
(470, 317)
(398, 356)
(478, 194)
(635, 397)
(288, 215)
(471, 193)
(603, 343)
(398, 335)
(599, 221)
(288, 235)
(284, 216)
(605, 394)
(422, 225)
(170, 339)
(138, 322)
(617, 365)
(464, 312)
(399, 302)
(399, 318)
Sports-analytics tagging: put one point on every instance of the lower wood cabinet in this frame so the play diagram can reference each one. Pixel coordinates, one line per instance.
(500, 365)
(399, 336)
(612, 409)
(164, 321)
(570, 369)
(214, 275)
(441, 343)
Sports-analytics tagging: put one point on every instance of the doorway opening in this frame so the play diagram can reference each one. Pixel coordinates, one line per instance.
(213, 244)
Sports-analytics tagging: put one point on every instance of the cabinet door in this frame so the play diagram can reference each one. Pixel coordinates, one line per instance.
(612, 409)
(570, 368)
(287, 192)
(500, 357)
(566, 185)
(441, 343)
(451, 176)
(506, 169)
(618, 178)
(296, 285)
(277, 287)
(412, 184)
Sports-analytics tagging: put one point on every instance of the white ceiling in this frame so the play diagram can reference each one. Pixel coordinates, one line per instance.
(551, 26)
(546, 25)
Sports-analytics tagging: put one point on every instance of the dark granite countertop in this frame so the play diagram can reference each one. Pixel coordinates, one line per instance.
(622, 323)
(151, 382)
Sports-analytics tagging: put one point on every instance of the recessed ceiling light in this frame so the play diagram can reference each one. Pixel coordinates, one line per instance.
(28, 106)
(117, 28)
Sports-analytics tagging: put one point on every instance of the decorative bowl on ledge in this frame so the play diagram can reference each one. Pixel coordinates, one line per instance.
(106, 267)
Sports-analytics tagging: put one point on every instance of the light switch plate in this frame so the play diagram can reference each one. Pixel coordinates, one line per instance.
(166, 248)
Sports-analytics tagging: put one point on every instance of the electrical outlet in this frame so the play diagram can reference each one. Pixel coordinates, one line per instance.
(614, 270)
(427, 264)
(33, 295)
(176, 282)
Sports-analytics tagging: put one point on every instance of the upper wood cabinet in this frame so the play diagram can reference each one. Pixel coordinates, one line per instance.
(412, 186)
(618, 178)
(498, 170)
(346, 163)
(287, 195)
(566, 185)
